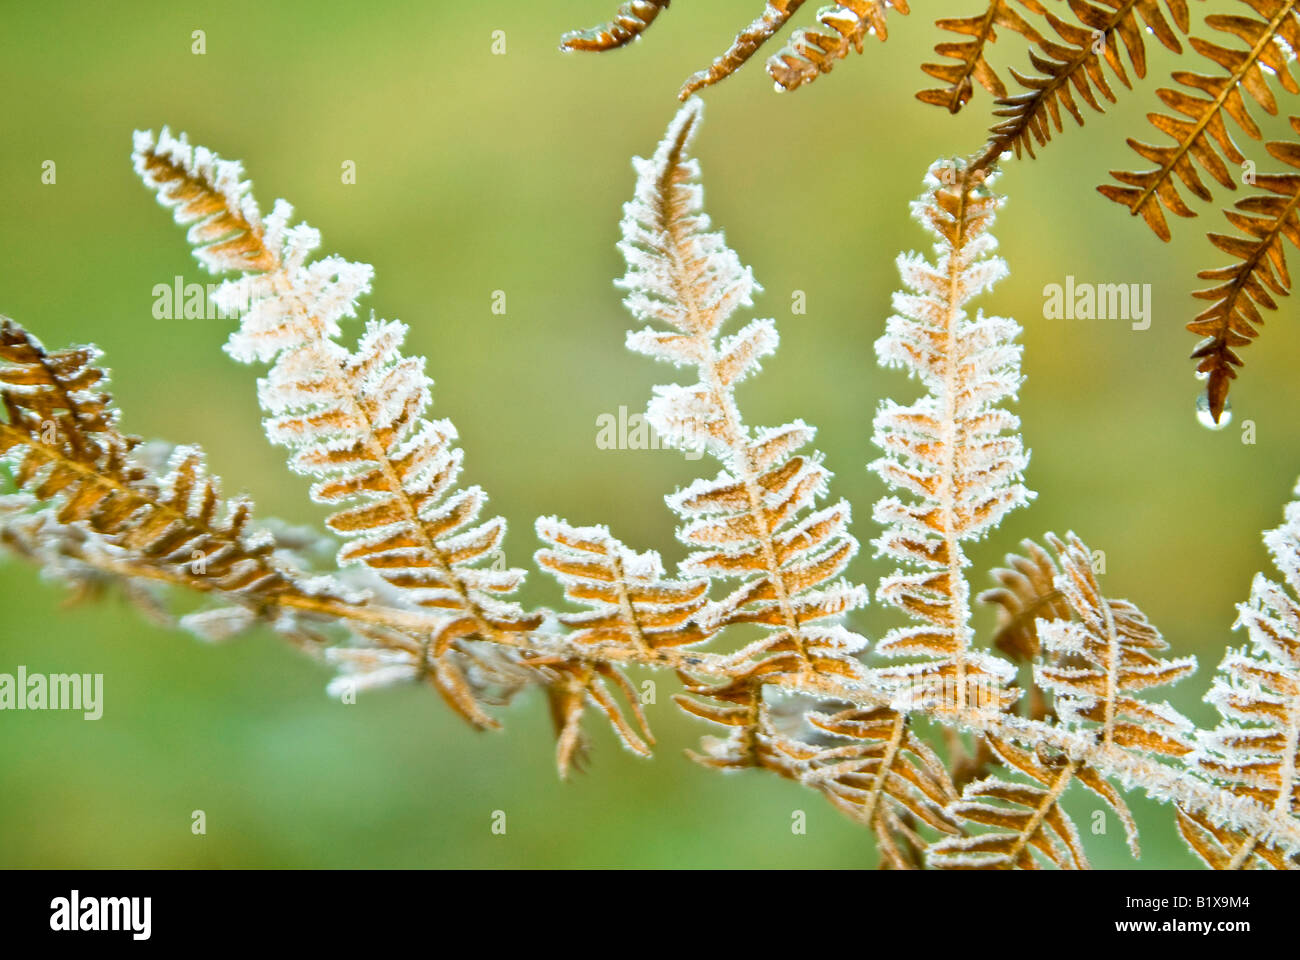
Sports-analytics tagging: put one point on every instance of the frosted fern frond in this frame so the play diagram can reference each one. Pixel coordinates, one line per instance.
(953, 455)
(1104, 654)
(755, 521)
(876, 770)
(1255, 751)
(208, 195)
(110, 517)
(354, 420)
(629, 604)
(1024, 816)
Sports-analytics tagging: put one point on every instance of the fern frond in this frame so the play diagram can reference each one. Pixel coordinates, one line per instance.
(1076, 62)
(735, 703)
(1024, 815)
(1255, 751)
(632, 19)
(1197, 136)
(952, 452)
(630, 604)
(111, 513)
(775, 15)
(354, 421)
(755, 520)
(971, 67)
(875, 766)
(629, 600)
(840, 29)
(1104, 654)
(1026, 594)
(1232, 319)
(210, 196)
(576, 684)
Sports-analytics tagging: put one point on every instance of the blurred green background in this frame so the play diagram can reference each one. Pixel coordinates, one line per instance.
(476, 173)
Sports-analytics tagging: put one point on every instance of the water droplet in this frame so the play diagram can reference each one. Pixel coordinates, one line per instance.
(1202, 375)
(1207, 419)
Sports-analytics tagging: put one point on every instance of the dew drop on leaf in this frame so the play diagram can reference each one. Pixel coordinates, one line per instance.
(1207, 419)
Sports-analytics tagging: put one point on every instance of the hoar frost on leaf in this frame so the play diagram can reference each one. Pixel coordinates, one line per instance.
(755, 521)
(1255, 752)
(954, 454)
(354, 420)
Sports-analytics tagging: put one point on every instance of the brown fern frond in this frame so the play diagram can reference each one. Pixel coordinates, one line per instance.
(573, 685)
(841, 28)
(1232, 319)
(775, 15)
(1196, 137)
(632, 19)
(1074, 66)
(1027, 594)
(971, 66)
(61, 440)
(734, 703)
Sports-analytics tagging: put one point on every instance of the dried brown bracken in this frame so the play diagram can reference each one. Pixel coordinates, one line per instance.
(1076, 62)
(1246, 69)
(746, 44)
(969, 54)
(1241, 289)
(632, 19)
(841, 28)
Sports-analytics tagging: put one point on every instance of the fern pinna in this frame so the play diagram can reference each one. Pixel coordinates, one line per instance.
(1073, 56)
(758, 619)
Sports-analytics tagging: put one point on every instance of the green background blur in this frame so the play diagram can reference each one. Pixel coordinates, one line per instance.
(477, 173)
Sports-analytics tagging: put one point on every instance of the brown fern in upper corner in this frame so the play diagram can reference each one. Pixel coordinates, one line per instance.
(841, 28)
(1195, 138)
(1075, 61)
(969, 54)
(1232, 319)
(632, 19)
